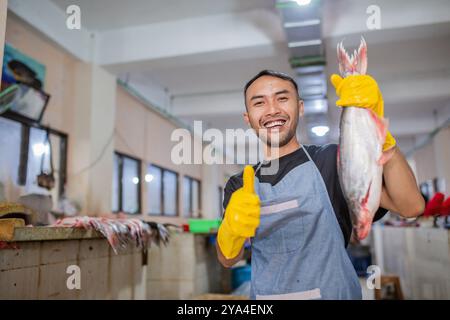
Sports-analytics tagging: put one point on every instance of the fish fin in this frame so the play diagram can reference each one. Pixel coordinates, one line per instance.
(385, 157)
(364, 224)
(381, 124)
(382, 127)
(363, 230)
(366, 197)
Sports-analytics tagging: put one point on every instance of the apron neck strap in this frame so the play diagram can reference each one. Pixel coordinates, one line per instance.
(260, 165)
(266, 162)
(307, 154)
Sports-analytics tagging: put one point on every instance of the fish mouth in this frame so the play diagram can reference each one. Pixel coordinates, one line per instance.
(274, 124)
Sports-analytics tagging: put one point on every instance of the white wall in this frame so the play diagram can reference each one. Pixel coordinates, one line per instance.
(442, 154)
(3, 14)
(153, 92)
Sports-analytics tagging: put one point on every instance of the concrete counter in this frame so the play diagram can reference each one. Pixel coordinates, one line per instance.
(53, 233)
(185, 268)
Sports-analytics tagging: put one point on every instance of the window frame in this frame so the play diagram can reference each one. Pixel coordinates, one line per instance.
(121, 156)
(26, 125)
(161, 186)
(199, 197)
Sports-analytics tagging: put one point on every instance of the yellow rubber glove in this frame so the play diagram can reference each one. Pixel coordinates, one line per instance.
(241, 217)
(361, 91)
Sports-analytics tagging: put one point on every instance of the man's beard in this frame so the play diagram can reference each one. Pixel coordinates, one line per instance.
(279, 141)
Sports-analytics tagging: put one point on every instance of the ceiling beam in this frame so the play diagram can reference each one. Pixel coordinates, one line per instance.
(49, 19)
(343, 17)
(189, 37)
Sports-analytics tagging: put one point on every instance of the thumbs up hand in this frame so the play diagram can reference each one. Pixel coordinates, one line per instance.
(242, 217)
(242, 212)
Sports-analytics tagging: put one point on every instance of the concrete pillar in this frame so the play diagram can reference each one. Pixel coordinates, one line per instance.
(91, 147)
(3, 14)
(425, 159)
(210, 191)
(442, 156)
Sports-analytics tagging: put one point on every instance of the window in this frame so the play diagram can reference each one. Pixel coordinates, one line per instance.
(39, 154)
(162, 191)
(153, 178)
(191, 197)
(187, 211)
(126, 184)
(10, 138)
(115, 191)
(23, 146)
(170, 192)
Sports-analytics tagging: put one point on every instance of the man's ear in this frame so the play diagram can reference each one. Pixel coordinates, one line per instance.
(301, 108)
(246, 119)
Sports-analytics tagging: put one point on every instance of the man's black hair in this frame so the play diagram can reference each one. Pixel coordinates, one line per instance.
(272, 73)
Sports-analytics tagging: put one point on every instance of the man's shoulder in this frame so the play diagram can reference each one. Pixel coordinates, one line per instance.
(321, 150)
(234, 182)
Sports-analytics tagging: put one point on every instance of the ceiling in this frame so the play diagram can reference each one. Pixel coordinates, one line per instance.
(101, 15)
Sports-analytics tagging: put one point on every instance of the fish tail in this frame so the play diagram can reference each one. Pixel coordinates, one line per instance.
(355, 63)
(362, 57)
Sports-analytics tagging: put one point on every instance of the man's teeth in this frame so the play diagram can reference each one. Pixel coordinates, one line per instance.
(274, 124)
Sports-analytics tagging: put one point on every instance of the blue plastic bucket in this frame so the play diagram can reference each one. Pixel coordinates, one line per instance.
(239, 275)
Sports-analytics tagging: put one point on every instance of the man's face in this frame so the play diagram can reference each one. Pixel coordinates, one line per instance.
(273, 109)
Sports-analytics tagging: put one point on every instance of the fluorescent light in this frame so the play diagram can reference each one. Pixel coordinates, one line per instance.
(307, 43)
(320, 131)
(135, 180)
(316, 106)
(39, 149)
(148, 178)
(298, 24)
(303, 2)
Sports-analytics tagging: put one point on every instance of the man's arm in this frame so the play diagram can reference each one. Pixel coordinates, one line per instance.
(228, 263)
(400, 191)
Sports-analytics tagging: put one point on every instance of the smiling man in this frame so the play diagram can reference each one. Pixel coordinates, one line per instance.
(297, 219)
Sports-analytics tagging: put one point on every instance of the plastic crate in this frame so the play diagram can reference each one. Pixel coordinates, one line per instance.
(204, 225)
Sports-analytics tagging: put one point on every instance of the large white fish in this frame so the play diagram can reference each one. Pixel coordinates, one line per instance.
(360, 155)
